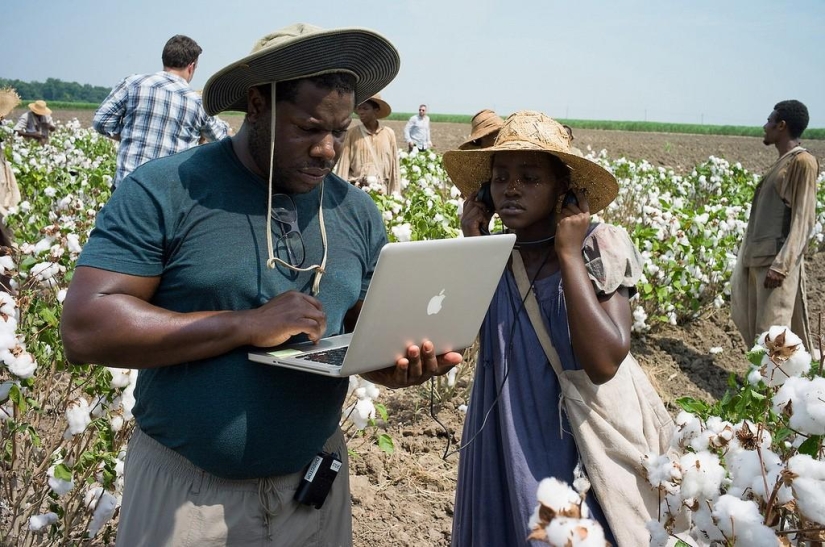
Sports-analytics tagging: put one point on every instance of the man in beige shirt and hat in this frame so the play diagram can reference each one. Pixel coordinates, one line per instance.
(221, 444)
(370, 153)
(36, 123)
(768, 282)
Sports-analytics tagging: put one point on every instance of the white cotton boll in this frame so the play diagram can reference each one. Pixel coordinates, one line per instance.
(59, 486)
(73, 243)
(451, 375)
(39, 522)
(748, 435)
(462, 409)
(746, 468)
(402, 232)
(42, 246)
(23, 365)
(715, 350)
(786, 356)
(354, 382)
(688, 426)
(8, 306)
(572, 532)
(741, 521)
(661, 470)
(360, 392)
(557, 494)
(121, 377)
(703, 441)
(807, 404)
(704, 527)
(810, 498)
(658, 535)
(103, 504)
(360, 413)
(702, 476)
(127, 401)
(754, 377)
(809, 486)
(372, 390)
(6, 264)
(77, 414)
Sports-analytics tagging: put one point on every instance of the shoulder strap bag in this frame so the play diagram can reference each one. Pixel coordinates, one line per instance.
(614, 425)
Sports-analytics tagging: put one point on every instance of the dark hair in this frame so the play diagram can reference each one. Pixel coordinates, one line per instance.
(342, 82)
(794, 114)
(180, 51)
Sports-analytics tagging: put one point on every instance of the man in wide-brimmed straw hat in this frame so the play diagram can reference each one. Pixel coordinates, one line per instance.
(484, 130)
(156, 115)
(370, 153)
(249, 241)
(37, 123)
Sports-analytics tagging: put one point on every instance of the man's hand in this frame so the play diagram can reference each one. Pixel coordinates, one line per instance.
(420, 364)
(284, 316)
(773, 279)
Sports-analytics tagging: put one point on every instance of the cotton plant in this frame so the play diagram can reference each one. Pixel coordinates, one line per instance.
(361, 412)
(562, 518)
(750, 469)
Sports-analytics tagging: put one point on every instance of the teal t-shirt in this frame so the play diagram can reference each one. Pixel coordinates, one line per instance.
(197, 220)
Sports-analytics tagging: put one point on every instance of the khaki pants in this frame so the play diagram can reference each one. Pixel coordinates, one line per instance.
(755, 309)
(167, 501)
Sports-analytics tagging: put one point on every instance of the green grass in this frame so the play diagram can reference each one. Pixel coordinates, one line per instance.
(608, 125)
(649, 127)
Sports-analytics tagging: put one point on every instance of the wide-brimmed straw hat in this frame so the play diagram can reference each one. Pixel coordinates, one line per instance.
(301, 51)
(9, 99)
(530, 131)
(384, 109)
(483, 123)
(40, 108)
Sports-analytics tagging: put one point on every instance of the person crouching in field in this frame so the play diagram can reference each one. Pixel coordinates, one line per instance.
(582, 275)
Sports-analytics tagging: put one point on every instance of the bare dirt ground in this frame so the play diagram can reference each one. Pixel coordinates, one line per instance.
(406, 499)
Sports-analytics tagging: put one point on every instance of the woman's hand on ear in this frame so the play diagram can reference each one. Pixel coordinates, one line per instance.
(475, 218)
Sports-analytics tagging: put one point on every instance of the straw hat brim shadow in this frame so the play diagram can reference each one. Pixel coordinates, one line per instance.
(366, 54)
(468, 169)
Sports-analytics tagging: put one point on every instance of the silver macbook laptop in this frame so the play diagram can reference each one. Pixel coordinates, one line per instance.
(436, 290)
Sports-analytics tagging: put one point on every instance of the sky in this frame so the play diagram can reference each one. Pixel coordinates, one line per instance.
(721, 62)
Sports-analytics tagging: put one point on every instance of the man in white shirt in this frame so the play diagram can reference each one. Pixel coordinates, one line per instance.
(417, 130)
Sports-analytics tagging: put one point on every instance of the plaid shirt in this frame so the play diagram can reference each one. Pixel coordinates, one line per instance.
(155, 115)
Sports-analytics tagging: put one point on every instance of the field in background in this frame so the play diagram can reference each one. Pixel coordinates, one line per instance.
(608, 125)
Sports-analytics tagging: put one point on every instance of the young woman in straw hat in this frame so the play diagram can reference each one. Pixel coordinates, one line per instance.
(9, 191)
(582, 275)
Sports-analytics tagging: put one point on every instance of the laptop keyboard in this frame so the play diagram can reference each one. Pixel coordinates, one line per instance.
(329, 357)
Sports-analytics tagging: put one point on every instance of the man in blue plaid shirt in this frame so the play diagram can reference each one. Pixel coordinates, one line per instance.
(156, 115)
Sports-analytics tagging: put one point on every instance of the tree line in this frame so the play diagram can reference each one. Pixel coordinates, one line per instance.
(57, 90)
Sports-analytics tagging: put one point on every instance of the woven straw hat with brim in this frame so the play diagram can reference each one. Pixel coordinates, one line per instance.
(384, 109)
(483, 123)
(9, 99)
(530, 131)
(300, 51)
(40, 108)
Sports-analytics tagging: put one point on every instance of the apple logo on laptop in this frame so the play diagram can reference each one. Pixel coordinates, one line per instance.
(434, 306)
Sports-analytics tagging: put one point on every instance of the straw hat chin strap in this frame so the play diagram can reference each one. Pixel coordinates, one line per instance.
(273, 260)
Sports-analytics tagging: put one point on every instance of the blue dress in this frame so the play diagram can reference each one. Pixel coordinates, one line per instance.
(514, 434)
